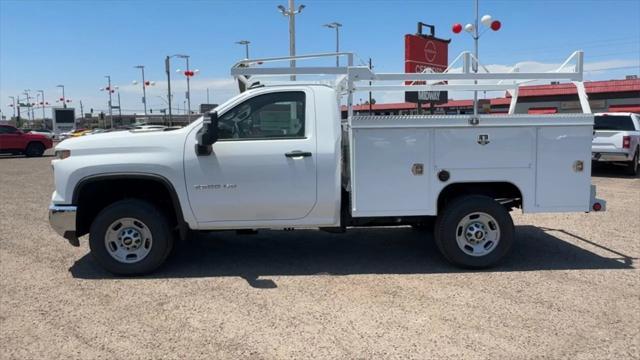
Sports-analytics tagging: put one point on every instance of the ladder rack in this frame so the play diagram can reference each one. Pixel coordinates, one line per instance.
(352, 78)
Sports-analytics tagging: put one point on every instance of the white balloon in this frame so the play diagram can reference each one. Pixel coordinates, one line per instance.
(469, 28)
(486, 20)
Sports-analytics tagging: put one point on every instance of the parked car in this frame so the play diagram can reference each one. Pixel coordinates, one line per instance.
(46, 132)
(617, 140)
(15, 141)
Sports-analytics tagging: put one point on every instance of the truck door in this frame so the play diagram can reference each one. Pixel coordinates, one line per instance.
(263, 166)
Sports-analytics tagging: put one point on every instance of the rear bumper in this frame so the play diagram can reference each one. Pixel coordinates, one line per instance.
(605, 156)
(63, 220)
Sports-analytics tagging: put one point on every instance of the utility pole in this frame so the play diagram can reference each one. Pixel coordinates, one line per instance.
(119, 108)
(13, 102)
(167, 67)
(291, 13)
(29, 106)
(475, 62)
(64, 99)
(43, 104)
(110, 107)
(370, 97)
(144, 91)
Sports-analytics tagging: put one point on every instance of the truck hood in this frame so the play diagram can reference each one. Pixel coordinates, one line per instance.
(123, 142)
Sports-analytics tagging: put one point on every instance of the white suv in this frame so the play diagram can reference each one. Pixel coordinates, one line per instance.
(617, 139)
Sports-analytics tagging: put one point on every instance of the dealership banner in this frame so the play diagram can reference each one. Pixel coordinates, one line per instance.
(425, 52)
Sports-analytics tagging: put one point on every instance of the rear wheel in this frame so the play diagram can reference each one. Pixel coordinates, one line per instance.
(130, 237)
(34, 149)
(632, 167)
(474, 232)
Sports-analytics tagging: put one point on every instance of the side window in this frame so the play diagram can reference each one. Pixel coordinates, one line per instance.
(270, 116)
(7, 130)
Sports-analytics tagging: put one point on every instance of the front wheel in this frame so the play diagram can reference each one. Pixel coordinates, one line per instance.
(130, 237)
(34, 149)
(474, 232)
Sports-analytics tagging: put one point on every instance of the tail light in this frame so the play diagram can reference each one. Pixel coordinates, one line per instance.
(626, 142)
(597, 206)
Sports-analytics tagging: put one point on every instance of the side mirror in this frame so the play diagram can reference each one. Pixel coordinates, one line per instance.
(208, 135)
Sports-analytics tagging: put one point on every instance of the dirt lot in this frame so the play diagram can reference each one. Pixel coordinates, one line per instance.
(570, 289)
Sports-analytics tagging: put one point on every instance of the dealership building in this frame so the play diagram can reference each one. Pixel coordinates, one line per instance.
(604, 96)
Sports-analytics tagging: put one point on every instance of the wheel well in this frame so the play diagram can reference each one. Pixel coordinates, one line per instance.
(506, 192)
(35, 142)
(94, 194)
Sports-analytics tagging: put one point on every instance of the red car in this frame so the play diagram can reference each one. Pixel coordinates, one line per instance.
(14, 141)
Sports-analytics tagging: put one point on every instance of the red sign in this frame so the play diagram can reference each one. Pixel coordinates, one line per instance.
(425, 52)
(421, 52)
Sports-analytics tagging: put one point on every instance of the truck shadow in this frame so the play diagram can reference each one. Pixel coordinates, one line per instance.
(611, 171)
(359, 251)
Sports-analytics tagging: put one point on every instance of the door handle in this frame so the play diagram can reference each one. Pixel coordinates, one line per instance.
(297, 153)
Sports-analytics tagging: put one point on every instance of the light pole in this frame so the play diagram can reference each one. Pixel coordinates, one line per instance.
(117, 88)
(144, 91)
(188, 73)
(337, 26)
(291, 13)
(64, 99)
(110, 91)
(43, 103)
(472, 29)
(246, 47)
(29, 106)
(13, 105)
(167, 68)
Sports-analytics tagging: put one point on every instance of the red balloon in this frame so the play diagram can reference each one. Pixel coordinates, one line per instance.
(146, 83)
(496, 25)
(457, 28)
(61, 99)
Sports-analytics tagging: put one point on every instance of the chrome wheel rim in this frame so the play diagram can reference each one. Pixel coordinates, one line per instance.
(128, 240)
(477, 234)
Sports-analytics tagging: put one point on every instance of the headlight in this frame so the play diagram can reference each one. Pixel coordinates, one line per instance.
(63, 154)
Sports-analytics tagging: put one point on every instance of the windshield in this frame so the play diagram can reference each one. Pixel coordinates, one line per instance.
(615, 122)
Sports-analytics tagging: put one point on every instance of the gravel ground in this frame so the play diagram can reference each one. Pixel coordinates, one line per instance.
(570, 289)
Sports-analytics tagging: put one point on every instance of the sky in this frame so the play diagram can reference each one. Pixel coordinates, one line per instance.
(78, 42)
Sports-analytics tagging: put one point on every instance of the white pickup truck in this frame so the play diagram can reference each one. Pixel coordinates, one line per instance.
(617, 139)
(280, 157)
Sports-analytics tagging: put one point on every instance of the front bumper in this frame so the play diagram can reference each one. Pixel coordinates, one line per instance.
(63, 220)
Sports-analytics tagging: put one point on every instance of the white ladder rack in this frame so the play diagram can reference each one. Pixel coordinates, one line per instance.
(352, 78)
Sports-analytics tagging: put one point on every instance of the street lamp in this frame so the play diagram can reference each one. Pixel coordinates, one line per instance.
(291, 13)
(167, 69)
(29, 105)
(110, 90)
(472, 29)
(63, 99)
(144, 91)
(246, 47)
(43, 103)
(337, 26)
(13, 105)
(188, 74)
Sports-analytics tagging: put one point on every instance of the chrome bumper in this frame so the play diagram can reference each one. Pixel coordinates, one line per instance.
(63, 220)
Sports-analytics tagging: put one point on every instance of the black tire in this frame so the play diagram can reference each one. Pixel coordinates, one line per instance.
(632, 166)
(447, 231)
(34, 149)
(150, 217)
